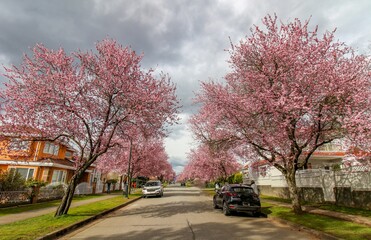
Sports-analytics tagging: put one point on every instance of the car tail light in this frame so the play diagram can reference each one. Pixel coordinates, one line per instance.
(230, 194)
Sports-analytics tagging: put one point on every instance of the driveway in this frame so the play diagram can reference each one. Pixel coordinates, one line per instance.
(183, 213)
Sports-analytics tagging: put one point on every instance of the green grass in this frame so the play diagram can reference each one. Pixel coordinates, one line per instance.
(330, 207)
(332, 226)
(277, 199)
(29, 207)
(347, 210)
(36, 227)
(209, 191)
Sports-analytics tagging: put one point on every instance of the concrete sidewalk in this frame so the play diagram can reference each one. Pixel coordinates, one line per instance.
(346, 217)
(38, 212)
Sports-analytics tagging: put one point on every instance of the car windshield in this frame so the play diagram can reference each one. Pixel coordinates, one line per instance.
(242, 190)
(152, 184)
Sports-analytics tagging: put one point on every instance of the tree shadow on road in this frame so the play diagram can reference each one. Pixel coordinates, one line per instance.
(212, 230)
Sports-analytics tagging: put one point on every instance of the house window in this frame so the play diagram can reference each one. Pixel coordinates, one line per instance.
(26, 173)
(19, 145)
(51, 148)
(263, 170)
(59, 176)
(68, 154)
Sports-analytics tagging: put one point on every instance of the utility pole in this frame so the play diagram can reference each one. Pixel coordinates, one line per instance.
(128, 174)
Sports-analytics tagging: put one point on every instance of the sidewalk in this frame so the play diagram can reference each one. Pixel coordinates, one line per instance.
(35, 213)
(346, 217)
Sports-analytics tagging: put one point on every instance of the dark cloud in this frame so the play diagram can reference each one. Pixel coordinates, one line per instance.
(186, 39)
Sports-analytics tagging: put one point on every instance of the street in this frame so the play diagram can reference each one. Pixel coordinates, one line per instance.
(183, 213)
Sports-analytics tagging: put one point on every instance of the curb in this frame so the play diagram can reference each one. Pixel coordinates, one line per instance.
(64, 231)
(321, 235)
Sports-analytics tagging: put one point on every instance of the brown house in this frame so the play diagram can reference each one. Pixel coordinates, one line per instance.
(51, 162)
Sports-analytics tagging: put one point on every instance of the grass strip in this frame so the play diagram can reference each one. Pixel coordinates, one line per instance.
(277, 199)
(347, 210)
(330, 207)
(36, 227)
(30, 207)
(209, 191)
(332, 226)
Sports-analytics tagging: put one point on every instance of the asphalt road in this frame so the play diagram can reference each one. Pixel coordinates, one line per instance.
(183, 213)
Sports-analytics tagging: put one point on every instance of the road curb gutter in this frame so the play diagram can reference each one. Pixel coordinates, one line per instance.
(64, 231)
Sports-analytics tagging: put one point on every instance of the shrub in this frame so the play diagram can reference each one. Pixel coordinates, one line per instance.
(11, 181)
(35, 183)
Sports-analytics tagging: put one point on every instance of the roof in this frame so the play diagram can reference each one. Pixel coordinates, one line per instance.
(58, 161)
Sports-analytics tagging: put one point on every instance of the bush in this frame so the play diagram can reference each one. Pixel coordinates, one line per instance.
(11, 181)
(35, 183)
(235, 178)
(238, 178)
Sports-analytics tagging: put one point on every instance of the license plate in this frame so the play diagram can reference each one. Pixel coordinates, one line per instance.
(246, 204)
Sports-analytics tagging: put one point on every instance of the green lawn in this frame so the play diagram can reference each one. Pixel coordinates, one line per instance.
(347, 210)
(331, 207)
(209, 191)
(335, 227)
(36, 227)
(29, 207)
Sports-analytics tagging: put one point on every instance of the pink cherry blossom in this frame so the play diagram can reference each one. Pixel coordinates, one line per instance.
(84, 98)
(289, 91)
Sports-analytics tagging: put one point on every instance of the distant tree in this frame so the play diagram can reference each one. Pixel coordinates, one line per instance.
(147, 158)
(83, 98)
(207, 164)
(288, 93)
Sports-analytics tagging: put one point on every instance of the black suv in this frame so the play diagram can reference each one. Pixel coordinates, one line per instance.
(237, 198)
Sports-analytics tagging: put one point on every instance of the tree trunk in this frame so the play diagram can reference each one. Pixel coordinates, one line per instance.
(68, 196)
(294, 193)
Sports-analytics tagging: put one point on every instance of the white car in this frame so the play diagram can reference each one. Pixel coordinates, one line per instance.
(153, 188)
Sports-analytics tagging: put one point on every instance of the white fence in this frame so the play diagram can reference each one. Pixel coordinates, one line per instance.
(356, 178)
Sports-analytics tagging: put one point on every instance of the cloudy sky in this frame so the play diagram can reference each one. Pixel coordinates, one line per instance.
(185, 38)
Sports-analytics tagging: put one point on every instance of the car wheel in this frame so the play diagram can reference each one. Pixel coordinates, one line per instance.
(256, 214)
(215, 205)
(226, 210)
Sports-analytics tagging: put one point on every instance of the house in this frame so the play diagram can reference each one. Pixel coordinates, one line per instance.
(51, 162)
(325, 157)
(330, 175)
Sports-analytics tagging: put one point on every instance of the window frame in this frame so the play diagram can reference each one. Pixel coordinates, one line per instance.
(28, 176)
(51, 148)
(61, 176)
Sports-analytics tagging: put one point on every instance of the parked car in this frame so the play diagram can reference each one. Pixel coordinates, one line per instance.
(153, 188)
(237, 198)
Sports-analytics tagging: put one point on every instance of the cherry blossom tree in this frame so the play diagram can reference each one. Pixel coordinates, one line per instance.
(289, 92)
(83, 98)
(139, 156)
(207, 164)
